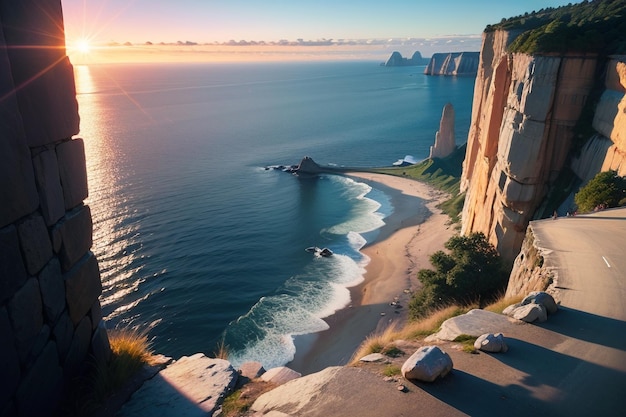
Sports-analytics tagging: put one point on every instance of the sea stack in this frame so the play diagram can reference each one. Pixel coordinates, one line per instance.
(444, 138)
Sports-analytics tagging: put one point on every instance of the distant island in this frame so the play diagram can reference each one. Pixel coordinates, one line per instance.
(397, 60)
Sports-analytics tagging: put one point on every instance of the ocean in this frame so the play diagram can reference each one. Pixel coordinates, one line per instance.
(198, 242)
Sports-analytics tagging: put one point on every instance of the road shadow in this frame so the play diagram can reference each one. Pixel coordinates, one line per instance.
(588, 327)
(539, 381)
(476, 396)
(578, 386)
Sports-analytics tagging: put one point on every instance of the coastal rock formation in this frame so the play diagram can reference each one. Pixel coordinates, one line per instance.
(529, 273)
(524, 112)
(453, 63)
(308, 166)
(397, 60)
(444, 138)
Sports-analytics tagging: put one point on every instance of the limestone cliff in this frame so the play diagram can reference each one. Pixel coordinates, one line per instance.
(453, 63)
(524, 112)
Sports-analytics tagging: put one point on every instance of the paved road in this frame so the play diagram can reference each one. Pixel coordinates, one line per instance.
(589, 254)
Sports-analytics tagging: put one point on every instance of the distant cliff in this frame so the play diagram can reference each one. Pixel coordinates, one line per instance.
(525, 114)
(453, 63)
(397, 60)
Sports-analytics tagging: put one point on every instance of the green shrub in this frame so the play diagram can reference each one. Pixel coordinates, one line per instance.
(471, 273)
(605, 190)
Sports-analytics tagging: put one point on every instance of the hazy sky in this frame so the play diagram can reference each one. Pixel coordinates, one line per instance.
(139, 21)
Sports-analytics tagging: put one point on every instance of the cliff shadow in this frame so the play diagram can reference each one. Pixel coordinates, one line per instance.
(572, 385)
(476, 396)
(532, 380)
(587, 327)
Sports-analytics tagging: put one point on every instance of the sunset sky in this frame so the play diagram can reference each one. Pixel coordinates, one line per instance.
(207, 21)
(139, 21)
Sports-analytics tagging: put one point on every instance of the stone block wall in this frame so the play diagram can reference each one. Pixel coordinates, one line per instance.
(50, 318)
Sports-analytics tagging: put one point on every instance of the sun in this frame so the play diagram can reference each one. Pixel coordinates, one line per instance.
(83, 46)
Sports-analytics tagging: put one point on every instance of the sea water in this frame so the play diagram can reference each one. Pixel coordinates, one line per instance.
(197, 241)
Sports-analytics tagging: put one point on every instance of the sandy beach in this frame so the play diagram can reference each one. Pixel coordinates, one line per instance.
(414, 231)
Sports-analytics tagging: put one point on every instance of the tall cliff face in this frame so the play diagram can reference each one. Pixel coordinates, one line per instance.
(607, 149)
(523, 116)
(453, 63)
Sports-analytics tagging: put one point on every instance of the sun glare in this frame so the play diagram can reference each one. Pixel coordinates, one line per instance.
(83, 46)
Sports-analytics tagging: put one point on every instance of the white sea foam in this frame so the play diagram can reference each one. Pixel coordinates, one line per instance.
(319, 292)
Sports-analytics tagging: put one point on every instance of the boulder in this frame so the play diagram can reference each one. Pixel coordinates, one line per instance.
(280, 375)
(300, 394)
(528, 313)
(490, 342)
(251, 370)
(192, 386)
(473, 323)
(543, 298)
(427, 364)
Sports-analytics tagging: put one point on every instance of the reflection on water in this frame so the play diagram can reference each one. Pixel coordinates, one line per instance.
(115, 226)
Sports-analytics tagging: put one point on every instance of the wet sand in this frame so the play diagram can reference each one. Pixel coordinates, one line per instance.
(414, 231)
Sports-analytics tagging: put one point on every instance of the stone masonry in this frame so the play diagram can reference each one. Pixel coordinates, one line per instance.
(50, 318)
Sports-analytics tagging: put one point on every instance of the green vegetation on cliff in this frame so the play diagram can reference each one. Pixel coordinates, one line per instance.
(472, 272)
(443, 174)
(605, 190)
(597, 26)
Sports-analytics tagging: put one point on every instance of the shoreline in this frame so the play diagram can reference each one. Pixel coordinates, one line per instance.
(415, 230)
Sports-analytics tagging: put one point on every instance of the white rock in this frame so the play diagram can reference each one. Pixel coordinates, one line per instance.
(192, 386)
(543, 298)
(427, 364)
(373, 357)
(473, 323)
(251, 369)
(280, 375)
(530, 313)
(490, 342)
(298, 393)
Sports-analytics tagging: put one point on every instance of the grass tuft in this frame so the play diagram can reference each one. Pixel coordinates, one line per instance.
(430, 324)
(392, 370)
(467, 342)
(501, 303)
(222, 351)
(374, 344)
(131, 350)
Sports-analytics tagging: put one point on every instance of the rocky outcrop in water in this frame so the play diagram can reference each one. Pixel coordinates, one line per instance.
(453, 63)
(444, 138)
(524, 113)
(397, 60)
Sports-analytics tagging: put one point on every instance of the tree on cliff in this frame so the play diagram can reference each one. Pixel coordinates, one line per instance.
(471, 272)
(590, 26)
(606, 189)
